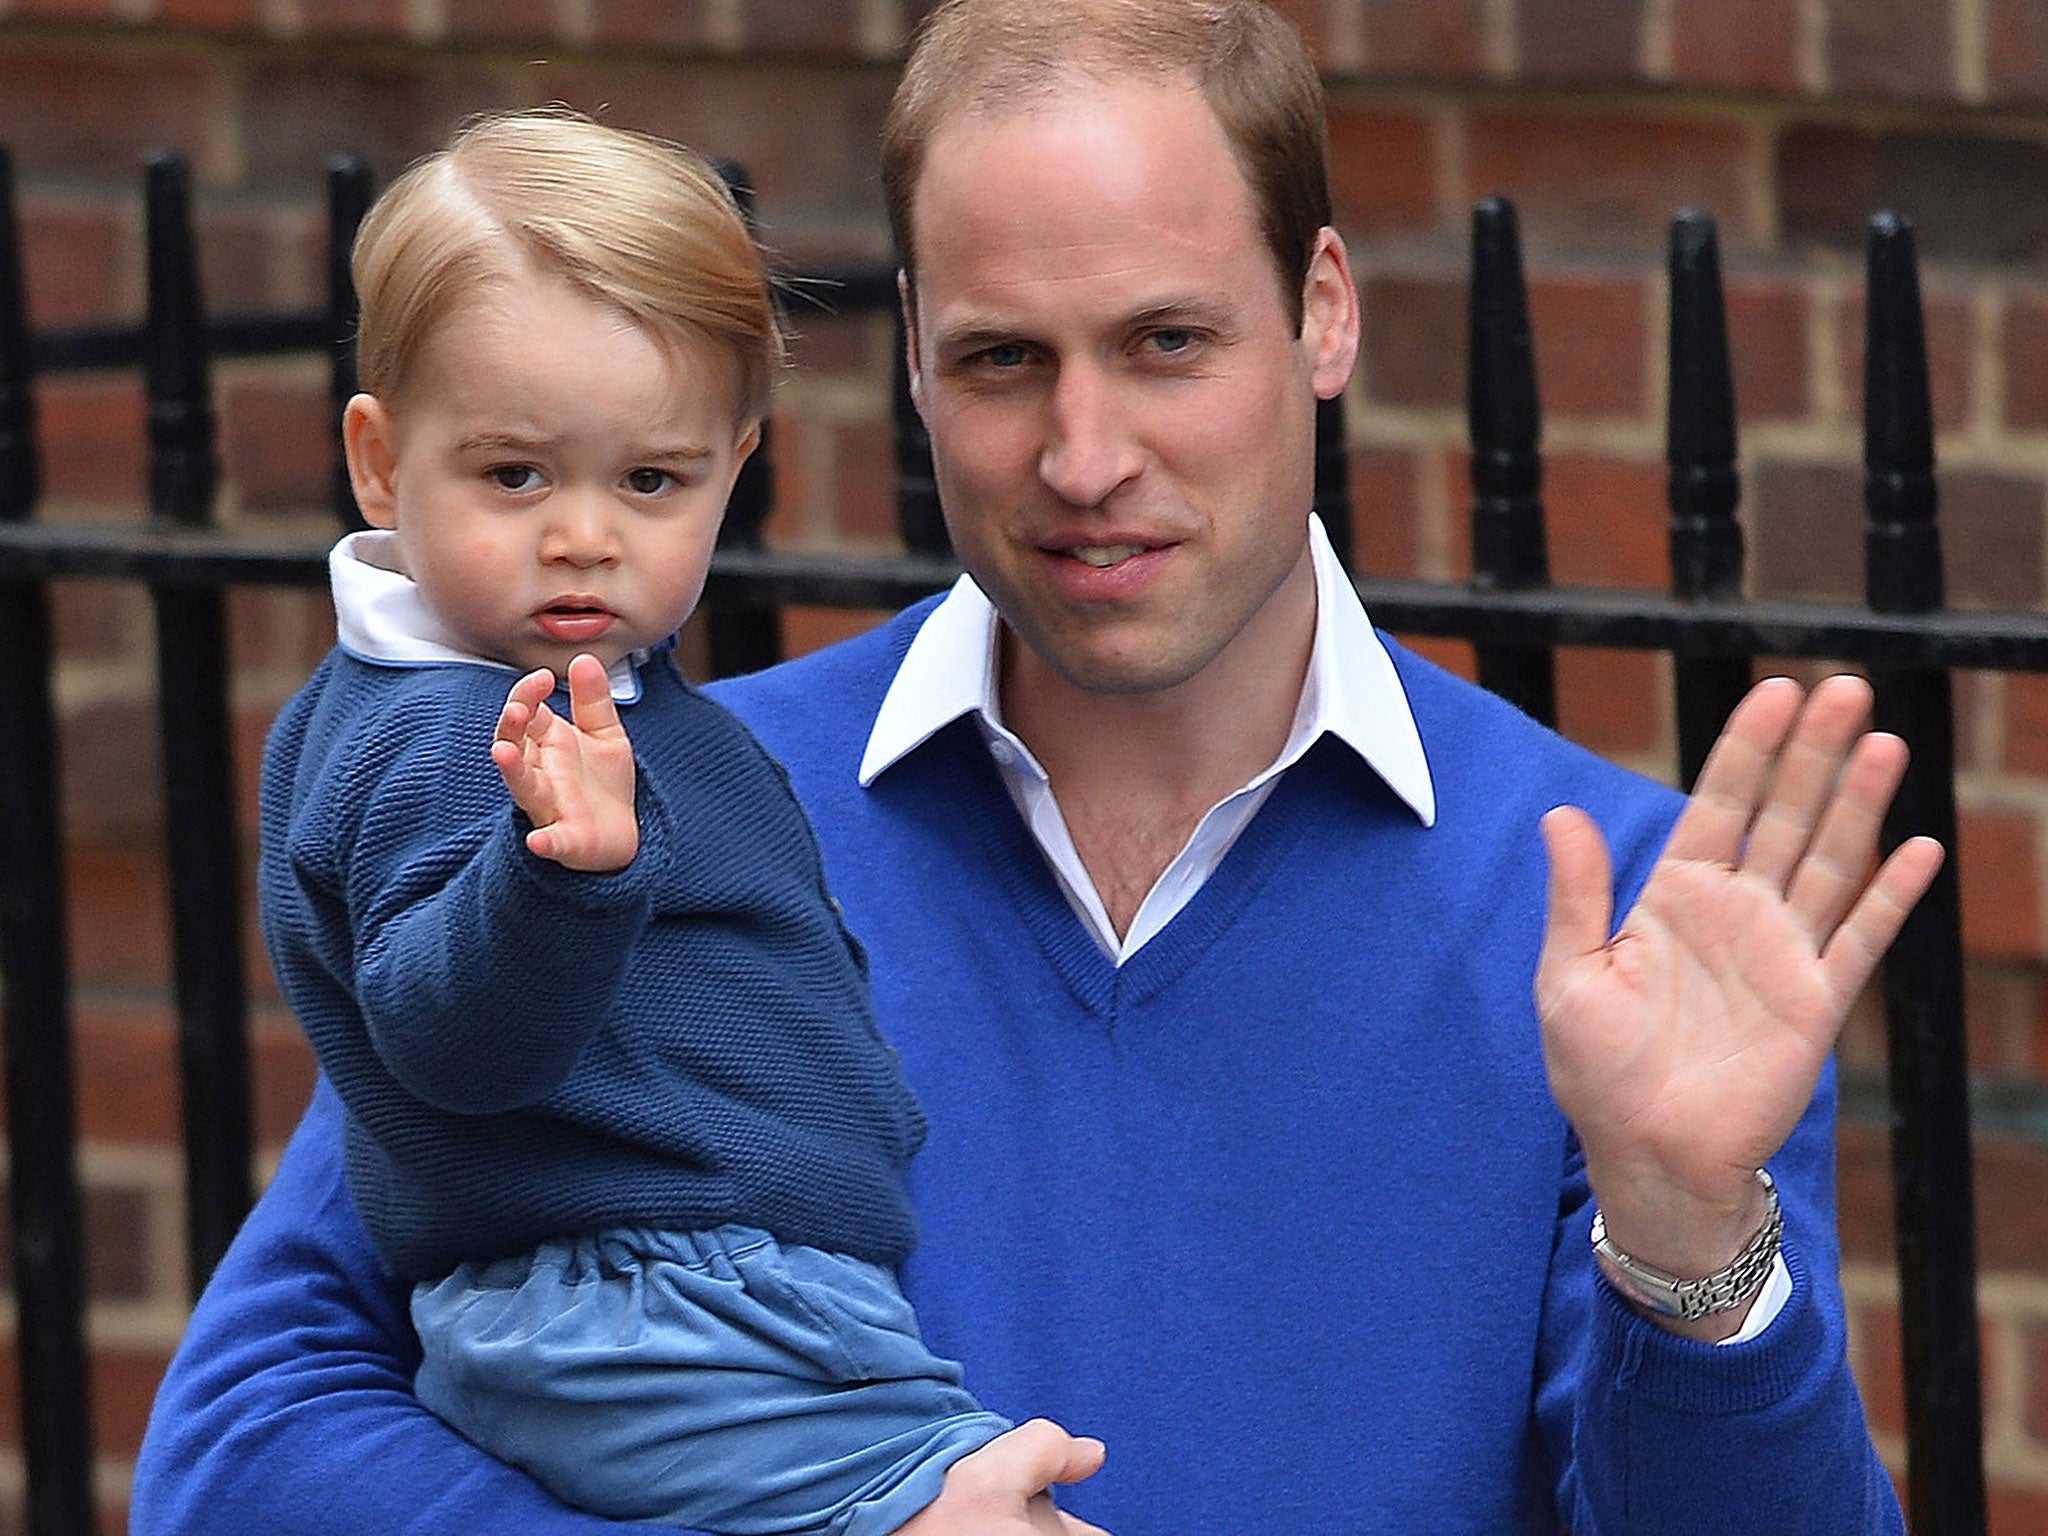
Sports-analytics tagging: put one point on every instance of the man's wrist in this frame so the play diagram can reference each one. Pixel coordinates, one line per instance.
(1688, 1298)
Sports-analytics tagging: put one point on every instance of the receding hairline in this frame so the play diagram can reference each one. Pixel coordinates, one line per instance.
(1246, 60)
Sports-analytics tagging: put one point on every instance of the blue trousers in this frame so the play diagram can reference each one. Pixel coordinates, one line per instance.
(715, 1380)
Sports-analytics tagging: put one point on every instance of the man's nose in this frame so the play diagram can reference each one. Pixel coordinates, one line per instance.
(1089, 450)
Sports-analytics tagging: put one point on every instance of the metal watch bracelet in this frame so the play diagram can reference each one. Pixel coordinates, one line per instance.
(1722, 1291)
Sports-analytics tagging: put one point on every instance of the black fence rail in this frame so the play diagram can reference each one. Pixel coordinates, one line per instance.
(1510, 612)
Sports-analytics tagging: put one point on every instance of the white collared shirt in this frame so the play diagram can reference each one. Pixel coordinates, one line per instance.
(380, 617)
(1351, 692)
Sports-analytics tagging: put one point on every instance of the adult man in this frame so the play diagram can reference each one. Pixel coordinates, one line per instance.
(1204, 924)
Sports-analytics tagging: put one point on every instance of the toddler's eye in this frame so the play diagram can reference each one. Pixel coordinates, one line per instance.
(648, 482)
(513, 477)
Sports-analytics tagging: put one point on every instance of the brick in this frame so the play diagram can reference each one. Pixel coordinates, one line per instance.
(1970, 197)
(805, 135)
(1863, 1192)
(1415, 339)
(1992, 539)
(98, 620)
(668, 25)
(863, 492)
(2014, 1511)
(234, 261)
(111, 777)
(2026, 723)
(1948, 327)
(2011, 1217)
(1891, 48)
(1440, 38)
(119, 930)
(112, 1223)
(1383, 170)
(73, 259)
(2023, 358)
(1770, 354)
(1999, 883)
(1590, 344)
(1609, 182)
(1611, 701)
(855, 345)
(1383, 487)
(2016, 57)
(296, 113)
(91, 433)
(803, 26)
(95, 111)
(1751, 44)
(213, 15)
(278, 441)
(1880, 1370)
(1311, 19)
(1806, 530)
(127, 1073)
(806, 629)
(343, 18)
(1579, 39)
(2002, 1003)
(276, 636)
(1607, 522)
(62, 10)
(281, 1072)
(2034, 1352)
(1454, 656)
(123, 1384)
(501, 20)
(1454, 471)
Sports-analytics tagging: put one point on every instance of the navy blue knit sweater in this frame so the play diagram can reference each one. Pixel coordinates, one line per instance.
(525, 1051)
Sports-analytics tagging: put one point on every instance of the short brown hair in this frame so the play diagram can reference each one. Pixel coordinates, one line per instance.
(1247, 60)
(640, 224)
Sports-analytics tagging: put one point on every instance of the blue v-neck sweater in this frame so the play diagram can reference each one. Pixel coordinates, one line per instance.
(1282, 1208)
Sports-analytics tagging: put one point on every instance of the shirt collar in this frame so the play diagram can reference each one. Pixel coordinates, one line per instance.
(379, 616)
(1352, 691)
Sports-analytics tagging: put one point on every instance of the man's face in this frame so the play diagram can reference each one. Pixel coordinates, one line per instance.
(1122, 415)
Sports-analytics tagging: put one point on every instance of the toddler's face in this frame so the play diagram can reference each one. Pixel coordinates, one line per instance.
(556, 474)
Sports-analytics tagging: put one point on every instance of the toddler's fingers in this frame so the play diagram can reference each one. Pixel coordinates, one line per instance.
(590, 696)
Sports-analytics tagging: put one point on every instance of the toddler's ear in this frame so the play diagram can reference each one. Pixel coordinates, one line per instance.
(370, 441)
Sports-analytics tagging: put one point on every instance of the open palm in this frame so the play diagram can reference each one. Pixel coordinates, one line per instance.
(1684, 1048)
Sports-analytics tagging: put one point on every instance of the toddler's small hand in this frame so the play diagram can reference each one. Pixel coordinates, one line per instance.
(573, 778)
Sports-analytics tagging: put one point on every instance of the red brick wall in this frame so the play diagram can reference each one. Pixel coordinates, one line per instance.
(1790, 119)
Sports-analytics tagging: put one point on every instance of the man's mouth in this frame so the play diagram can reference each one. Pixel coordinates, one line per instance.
(1103, 556)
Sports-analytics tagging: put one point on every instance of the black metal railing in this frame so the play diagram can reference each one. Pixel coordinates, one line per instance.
(1510, 612)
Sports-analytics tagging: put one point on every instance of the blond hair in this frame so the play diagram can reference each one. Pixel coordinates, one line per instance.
(1245, 58)
(637, 223)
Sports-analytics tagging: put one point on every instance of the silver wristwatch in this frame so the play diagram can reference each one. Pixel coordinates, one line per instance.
(1722, 1291)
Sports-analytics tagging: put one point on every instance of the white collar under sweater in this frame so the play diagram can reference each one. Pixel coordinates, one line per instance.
(1351, 692)
(379, 617)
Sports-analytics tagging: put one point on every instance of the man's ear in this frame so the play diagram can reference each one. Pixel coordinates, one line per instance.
(1329, 315)
(369, 439)
(907, 297)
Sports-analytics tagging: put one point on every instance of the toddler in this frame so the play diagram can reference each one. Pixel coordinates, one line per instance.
(616, 1103)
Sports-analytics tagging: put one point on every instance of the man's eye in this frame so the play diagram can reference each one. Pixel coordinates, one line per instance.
(648, 482)
(513, 477)
(1008, 354)
(1170, 340)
